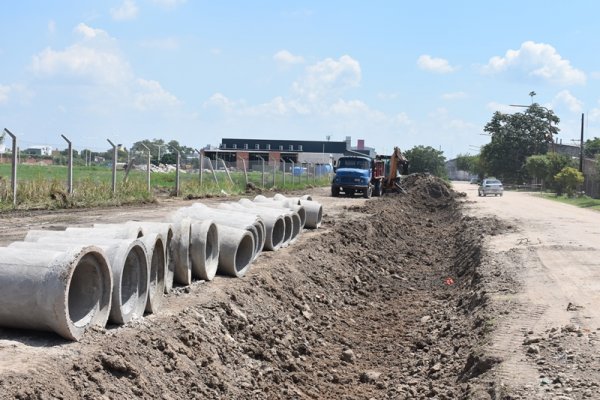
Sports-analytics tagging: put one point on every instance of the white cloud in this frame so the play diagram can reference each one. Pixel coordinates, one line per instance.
(90, 33)
(565, 97)
(4, 91)
(284, 57)
(126, 11)
(219, 100)
(328, 77)
(169, 3)
(387, 96)
(537, 60)
(436, 65)
(454, 96)
(151, 95)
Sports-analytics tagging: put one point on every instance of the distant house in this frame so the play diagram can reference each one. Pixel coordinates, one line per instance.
(38, 151)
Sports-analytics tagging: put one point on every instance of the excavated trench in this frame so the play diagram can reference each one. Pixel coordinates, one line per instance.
(384, 301)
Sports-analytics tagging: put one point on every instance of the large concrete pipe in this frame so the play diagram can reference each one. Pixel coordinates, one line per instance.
(288, 223)
(273, 219)
(236, 251)
(252, 223)
(166, 229)
(181, 250)
(52, 290)
(314, 209)
(204, 249)
(285, 204)
(128, 261)
(293, 222)
(121, 232)
(155, 252)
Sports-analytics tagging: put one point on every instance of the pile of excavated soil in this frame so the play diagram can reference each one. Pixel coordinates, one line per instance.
(382, 302)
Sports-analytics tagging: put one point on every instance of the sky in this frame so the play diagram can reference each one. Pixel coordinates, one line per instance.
(394, 73)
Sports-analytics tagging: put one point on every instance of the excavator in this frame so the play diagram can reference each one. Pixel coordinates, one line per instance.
(370, 177)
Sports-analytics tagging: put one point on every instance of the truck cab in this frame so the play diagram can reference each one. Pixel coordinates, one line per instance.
(353, 175)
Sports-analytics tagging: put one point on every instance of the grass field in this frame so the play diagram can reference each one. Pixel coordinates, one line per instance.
(45, 187)
(583, 201)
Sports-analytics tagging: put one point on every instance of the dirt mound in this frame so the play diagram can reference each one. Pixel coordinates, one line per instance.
(383, 302)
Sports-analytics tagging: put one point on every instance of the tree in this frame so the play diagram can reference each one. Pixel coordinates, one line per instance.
(471, 164)
(426, 159)
(592, 147)
(538, 166)
(516, 137)
(568, 179)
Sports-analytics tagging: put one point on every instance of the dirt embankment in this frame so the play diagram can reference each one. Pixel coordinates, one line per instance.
(383, 302)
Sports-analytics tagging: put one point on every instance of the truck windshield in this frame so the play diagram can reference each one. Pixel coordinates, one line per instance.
(353, 163)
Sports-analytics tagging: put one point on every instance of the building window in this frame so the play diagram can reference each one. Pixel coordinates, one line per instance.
(299, 147)
(223, 146)
(257, 146)
(245, 146)
(280, 147)
(234, 146)
(291, 147)
(268, 147)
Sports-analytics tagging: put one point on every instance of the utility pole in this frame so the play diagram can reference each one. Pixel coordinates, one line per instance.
(581, 147)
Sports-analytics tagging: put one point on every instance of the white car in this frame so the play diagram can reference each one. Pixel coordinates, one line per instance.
(490, 186)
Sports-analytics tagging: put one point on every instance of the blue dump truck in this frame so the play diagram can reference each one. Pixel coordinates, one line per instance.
(367, 176)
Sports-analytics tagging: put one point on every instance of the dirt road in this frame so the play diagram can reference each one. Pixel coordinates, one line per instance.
(553, 257)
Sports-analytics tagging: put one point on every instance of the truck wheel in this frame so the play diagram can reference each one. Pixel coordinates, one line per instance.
(367, 192)
(335, 191)
(378, 192)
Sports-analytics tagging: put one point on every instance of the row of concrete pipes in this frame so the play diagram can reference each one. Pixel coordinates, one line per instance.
(68, 281)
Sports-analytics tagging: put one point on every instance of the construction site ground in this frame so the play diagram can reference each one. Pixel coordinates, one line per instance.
(435, 293)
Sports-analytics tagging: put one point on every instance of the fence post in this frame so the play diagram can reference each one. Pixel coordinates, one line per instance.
(283, 161)
(200, 164)
(213, 172)
(69, 166)
(178, 160)
(13, 176)
(292, 172)
(245, 172)
(263, 171)
(147, 166)
(227, 171)
(274, 171)
(114, 167)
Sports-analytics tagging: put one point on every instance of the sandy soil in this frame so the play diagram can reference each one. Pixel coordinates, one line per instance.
(400, 297)
(549, 340)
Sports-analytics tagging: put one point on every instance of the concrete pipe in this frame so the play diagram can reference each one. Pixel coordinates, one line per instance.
(182, 235)
(122, 232)
(288, 204)
(314, 209)
(128, 261)
(273, 219)
(240, 220)
(293, 223)
(51, 290)
(166, 229)
(236, 251)
(204, 249)
(155, 252)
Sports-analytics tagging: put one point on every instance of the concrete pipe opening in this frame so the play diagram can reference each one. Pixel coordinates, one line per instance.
(134, 284)
(89, 291)
(289, 226)
(260, 237)
(296, 227)
(156, 286)
(204, 249)
(244, 255)
(278, 234)
(169, 262)
(236, 251)
(314, 213)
